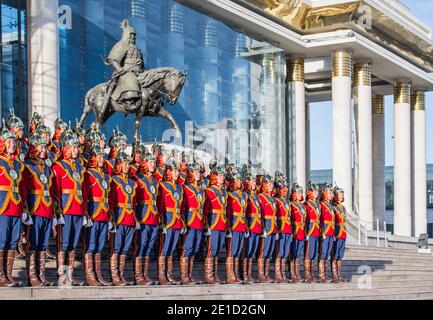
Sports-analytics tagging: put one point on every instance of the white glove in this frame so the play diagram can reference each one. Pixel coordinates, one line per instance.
(229, 234)
(54, 222)
(323, 237)
(264, 235)
(137, 226)
(307, 237)
(61, 220)
(84, 221)
(334, 238)
(89, 223)
(111, 227)
(207, 232)
(26, 219)
(247, 234)
(277, 236)
(164, 231)
(183, 230)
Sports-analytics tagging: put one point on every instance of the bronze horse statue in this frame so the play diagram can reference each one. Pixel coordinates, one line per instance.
(157, 86)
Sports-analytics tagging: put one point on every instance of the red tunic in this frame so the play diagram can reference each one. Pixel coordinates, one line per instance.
(192, 206)
(298, 220)
(236, 205)
(147, 192)
(159, 173)
(253, 214)
(327, 220)
(122, 200)
(182, 177)
(11, 190)
(96, 195)
(215, 207)
(68, 191)
(312, 223)
(268, 209)
(169, 201)
(38, 194)
(283, 215)
(134, 169)
(109, 165)
(340, 218)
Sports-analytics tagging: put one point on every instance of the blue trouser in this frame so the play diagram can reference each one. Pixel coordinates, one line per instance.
(169, 242)
(311, 247)
(146, 237)
(283, 247)
(39, 233)
(339, 248)
(10, 232)
(267, 246)
(297, 250)
(69, 232)
(192, 242)
(95, 237)
(123, 239)
(251, 245)
(326, 248)
(235, 244)
(215, 243)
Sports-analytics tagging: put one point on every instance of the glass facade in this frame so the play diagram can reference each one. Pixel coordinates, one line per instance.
(235, 83)
(13, 58)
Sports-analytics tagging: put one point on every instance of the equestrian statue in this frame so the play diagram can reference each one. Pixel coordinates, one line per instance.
(133, 88)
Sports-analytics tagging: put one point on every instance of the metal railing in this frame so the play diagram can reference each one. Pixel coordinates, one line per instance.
(363, 231)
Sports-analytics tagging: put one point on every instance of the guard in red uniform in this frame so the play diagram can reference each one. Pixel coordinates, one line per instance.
(147, 216)
(312, 229)
(298, 228)
(161, 157)
(16, 126)
(81, 136)
(215, 212)
(38, 203)
(192, 210)
(284, 229)
(139, 152)
(11, 211)
(237, 201)
(68, 193)
(340, 235)
(35, 122)
(97, 190)
(254, 226)
(115, 144)
(268, 207)
(60, 127)
(169, 201)
(51, 158)
(122, 204)
(327, 229)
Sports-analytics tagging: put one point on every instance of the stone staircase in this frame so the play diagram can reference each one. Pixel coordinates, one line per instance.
(374, 273)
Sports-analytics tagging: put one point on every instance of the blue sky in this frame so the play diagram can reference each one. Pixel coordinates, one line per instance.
(321, 115)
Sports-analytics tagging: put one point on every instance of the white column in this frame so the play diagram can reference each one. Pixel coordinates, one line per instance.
(379, 158)
(419, 175)
(43, 59)
(402, 163)
(295, 87)
(362, 107)
(307, 142)
(341, 119)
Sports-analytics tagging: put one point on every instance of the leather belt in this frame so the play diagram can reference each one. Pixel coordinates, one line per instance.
(72, 191)
(218, 211)
(40, 193)
(99, 199)
(147, 202)
(172, 210)
(9, 189)
(124, 206)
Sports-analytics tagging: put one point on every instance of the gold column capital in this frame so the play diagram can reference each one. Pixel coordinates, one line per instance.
(402, 92)
(417, 101)
(295, 69)
(378, 104)
(362, 74)
(342, 63)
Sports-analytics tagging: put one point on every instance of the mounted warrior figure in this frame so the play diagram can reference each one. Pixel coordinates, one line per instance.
(133, 88)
